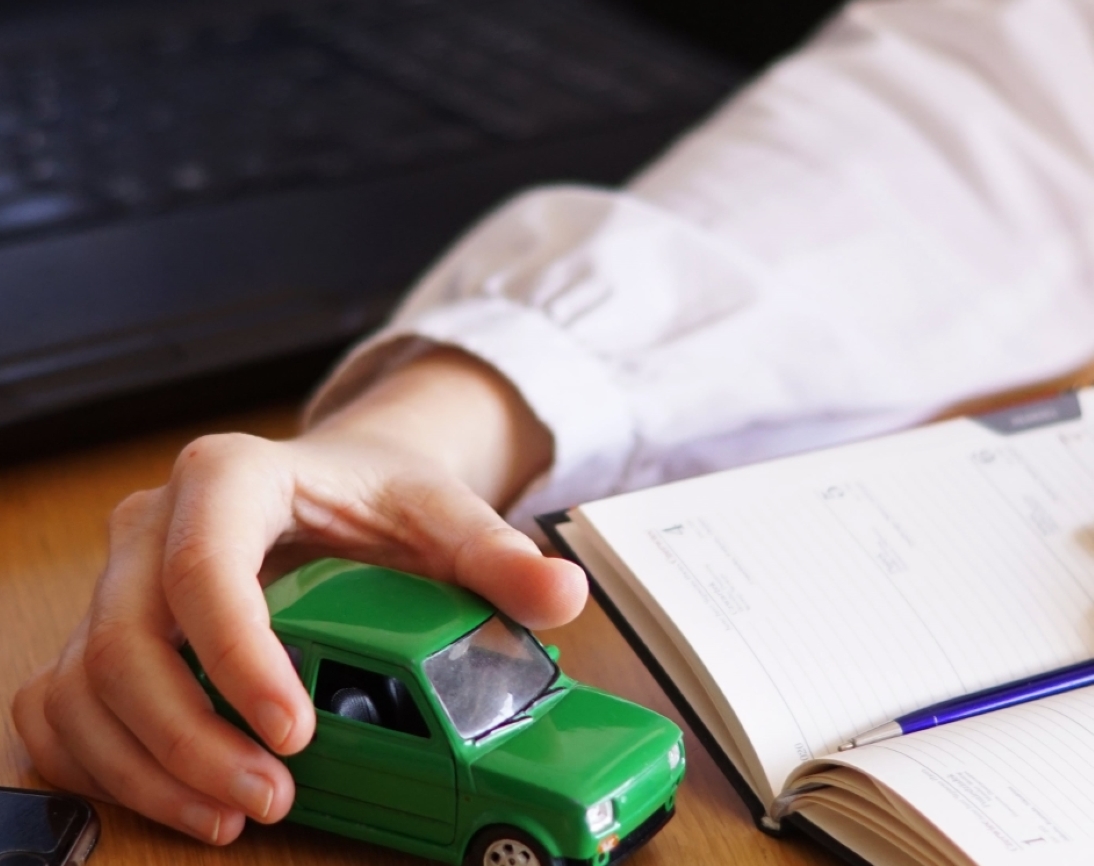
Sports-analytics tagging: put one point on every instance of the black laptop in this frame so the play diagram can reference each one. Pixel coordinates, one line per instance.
(213, 198)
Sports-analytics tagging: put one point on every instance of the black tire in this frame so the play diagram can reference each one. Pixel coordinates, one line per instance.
(506, 846)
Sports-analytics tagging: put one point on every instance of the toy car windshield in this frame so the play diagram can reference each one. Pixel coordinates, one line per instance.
(489, 675)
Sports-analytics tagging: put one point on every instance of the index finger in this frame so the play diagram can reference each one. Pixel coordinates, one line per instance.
(231, 502)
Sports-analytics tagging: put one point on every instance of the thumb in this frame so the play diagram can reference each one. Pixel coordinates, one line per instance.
(505, 567)
(463, 539)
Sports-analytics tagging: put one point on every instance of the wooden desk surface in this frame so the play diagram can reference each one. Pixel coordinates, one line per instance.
(53, 517)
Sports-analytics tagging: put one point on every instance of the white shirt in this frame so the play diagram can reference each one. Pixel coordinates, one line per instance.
(897, 217)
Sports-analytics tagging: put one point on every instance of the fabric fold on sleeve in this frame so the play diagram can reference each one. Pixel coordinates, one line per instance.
(556, 290)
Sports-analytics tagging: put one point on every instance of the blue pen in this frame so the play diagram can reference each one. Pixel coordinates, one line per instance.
(996, 698)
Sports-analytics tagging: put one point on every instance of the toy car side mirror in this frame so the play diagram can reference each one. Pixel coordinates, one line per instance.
(553, 652)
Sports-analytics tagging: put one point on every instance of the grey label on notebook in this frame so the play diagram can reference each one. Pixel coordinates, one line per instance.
(1064, 407)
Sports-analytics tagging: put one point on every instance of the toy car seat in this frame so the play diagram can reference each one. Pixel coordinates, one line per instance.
(354, 703)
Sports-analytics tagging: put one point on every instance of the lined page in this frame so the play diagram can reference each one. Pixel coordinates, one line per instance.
(1011, 787)
(827, 593)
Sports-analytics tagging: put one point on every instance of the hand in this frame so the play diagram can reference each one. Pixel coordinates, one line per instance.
(401, 477)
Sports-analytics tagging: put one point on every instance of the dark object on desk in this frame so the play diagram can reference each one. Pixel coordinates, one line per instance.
(42, 828)
(190, 187)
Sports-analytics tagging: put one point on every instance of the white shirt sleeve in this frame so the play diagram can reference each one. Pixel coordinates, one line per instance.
(897, 217)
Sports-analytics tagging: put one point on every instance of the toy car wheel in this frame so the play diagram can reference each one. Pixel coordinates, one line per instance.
(506, 846)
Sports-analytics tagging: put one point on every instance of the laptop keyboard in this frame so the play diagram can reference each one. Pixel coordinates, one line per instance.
(108, 127)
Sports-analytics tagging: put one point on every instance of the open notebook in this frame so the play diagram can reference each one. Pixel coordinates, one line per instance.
(790, 605)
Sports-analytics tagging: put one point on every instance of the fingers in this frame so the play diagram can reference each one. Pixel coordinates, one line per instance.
(136, 672)
(231, 500)
(108, 752)
(54, 762)
(60, 719)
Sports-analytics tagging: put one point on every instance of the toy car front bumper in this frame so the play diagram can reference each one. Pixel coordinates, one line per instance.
(630, 843)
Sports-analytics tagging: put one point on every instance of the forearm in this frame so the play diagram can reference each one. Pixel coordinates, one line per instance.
(451, 409)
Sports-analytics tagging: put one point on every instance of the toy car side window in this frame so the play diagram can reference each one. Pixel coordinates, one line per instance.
(369, 697)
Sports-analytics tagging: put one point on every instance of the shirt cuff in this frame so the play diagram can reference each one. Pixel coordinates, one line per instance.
(567, 387)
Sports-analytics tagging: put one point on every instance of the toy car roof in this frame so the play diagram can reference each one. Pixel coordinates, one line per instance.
(368, 609)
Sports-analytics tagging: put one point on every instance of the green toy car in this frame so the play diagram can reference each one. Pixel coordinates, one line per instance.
(445, 730)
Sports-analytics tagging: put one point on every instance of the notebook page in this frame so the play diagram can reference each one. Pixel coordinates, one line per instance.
(827, 593)
(1011, 787)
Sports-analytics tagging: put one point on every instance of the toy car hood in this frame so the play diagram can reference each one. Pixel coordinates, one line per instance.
(587, 746)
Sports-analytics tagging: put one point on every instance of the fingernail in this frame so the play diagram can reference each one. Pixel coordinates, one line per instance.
(201, 820)
(253, 793)
(274, 723)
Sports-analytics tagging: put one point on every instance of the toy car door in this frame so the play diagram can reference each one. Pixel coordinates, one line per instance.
(378, 757)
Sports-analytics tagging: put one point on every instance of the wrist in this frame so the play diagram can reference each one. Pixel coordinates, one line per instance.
(453, 410)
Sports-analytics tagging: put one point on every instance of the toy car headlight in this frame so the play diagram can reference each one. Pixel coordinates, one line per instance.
(675, 754)
(600, 816)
